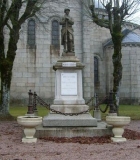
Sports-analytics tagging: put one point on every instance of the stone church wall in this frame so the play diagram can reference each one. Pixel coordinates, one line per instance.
(130, 83)
(99, 37)
(33, 66)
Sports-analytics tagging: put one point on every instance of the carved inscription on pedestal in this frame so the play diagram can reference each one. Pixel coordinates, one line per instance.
(68, 84)
(69, 64)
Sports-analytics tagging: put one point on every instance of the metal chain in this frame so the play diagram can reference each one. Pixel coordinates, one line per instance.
(89, 100)
(98, 105)
(41, 102)
(101, 102)
(69, 114)
(34, 101)
(103, 111)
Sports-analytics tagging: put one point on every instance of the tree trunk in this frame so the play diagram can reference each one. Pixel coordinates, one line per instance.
(117, 40)
(117, 72)
(5, 96)
(12, 18)
(6, 70)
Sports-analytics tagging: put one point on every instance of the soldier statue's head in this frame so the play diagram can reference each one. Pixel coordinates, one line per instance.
(66, 10)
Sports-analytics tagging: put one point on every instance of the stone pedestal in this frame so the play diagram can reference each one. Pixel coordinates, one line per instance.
(29, 123)
(118, 122)
(69, 96)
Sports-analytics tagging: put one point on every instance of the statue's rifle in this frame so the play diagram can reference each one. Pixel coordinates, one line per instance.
(66, 35)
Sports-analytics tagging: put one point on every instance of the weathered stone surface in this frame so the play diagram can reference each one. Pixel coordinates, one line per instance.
(100, 130)
(69, 108)
(88, 40)
(84, 120)
(69, 102)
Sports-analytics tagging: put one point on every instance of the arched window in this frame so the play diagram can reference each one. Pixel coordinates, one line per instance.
(55, 33)
(96, 70)
(31, 32)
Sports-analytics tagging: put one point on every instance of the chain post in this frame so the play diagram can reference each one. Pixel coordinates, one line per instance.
(30, 105)
(35, 103)
(92, 103)
(97, 113)
(96, 102)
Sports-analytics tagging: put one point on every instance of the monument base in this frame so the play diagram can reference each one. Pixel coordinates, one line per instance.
(68, 53)
(60, 120)
(66, 108)
(69, 132)
(57, 120)
(68, 99)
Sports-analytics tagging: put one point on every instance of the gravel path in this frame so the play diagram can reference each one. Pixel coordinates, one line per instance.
(11, 147)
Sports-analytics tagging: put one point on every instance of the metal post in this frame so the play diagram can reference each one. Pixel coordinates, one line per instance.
(97, 113)
(30, 105)
(96, 101)
(34, 104)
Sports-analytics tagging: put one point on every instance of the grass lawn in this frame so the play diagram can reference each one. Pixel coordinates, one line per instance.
(132, 111)
(20, 111)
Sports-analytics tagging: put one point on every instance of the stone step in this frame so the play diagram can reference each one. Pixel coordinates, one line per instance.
(100, 130)
(57, 120)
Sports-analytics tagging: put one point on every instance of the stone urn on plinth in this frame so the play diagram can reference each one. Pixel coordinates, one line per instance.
(29, 123)
(118, 122)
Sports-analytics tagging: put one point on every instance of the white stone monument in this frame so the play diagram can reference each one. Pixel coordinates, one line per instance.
(68, 85)
(69, 96)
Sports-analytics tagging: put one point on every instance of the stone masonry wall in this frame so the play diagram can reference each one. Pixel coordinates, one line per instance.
(33, 67)
(130, 83)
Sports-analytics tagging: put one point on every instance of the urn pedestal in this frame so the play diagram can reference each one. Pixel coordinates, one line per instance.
(29, 123)
(118, 122)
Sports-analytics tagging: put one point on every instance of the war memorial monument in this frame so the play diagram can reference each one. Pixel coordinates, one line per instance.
(73, 118)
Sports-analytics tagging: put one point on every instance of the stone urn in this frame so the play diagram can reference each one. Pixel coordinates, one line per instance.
(29, 123)
(118, 122)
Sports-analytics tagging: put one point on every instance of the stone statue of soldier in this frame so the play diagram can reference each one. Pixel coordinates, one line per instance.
(67, 37)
